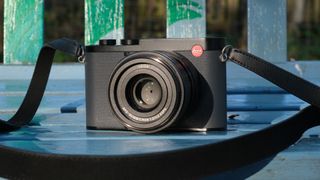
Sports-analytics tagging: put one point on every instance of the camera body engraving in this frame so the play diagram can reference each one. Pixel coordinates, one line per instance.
(150, 85)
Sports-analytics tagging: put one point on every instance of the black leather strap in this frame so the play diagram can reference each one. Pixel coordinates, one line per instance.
(189, 163)
(293, 84)
(38, 82)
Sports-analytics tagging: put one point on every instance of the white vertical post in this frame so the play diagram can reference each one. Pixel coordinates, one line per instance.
(267, 29)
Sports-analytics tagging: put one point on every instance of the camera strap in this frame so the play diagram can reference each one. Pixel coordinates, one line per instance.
(38, 83)
(188, 163)
(293, 84)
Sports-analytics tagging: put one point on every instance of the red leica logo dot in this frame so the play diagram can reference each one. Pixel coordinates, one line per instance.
(197, 50)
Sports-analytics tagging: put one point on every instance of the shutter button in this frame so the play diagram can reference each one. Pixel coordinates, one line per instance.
(129, 42)
(107, 42)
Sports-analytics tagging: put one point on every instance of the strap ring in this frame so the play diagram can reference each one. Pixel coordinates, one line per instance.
(225, 53)
(81, 54)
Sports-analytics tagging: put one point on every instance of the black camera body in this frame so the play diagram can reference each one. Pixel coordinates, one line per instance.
(150, 85)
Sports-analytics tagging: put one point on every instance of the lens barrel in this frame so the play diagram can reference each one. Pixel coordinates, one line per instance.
(149, 91)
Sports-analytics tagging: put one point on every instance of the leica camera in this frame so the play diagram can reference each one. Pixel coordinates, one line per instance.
(152, 85)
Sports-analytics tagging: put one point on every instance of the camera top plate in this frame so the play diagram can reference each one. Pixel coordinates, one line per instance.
(170, 44)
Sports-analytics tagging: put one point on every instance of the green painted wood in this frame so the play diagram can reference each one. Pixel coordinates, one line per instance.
(103, 19)
(186, 18)
(23, 31)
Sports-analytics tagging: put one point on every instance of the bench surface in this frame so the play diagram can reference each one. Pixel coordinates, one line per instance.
(59, 125)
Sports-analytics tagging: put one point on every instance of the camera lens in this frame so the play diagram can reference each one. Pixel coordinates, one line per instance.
(146, 92)
(149, 91)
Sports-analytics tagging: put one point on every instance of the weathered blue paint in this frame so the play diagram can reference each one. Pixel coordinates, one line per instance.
(65, 133)
(267, 29)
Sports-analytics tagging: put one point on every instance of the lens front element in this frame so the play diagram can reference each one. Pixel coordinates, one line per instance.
(147, 93)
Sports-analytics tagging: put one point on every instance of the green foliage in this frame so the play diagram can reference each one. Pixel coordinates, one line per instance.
(304, 42)
(148, 20)
(60, 57)
(64, 19)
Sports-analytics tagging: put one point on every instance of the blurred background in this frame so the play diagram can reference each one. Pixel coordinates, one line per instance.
(225, 18)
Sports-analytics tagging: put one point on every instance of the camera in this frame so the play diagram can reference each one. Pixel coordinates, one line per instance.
(152, 85)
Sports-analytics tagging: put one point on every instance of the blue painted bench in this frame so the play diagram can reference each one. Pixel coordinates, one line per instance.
(55, 132)
(253, 103)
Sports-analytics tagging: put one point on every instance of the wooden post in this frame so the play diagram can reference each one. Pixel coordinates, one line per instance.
(186, 18)
(267, 29)
(103, 19)
(23, 31)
